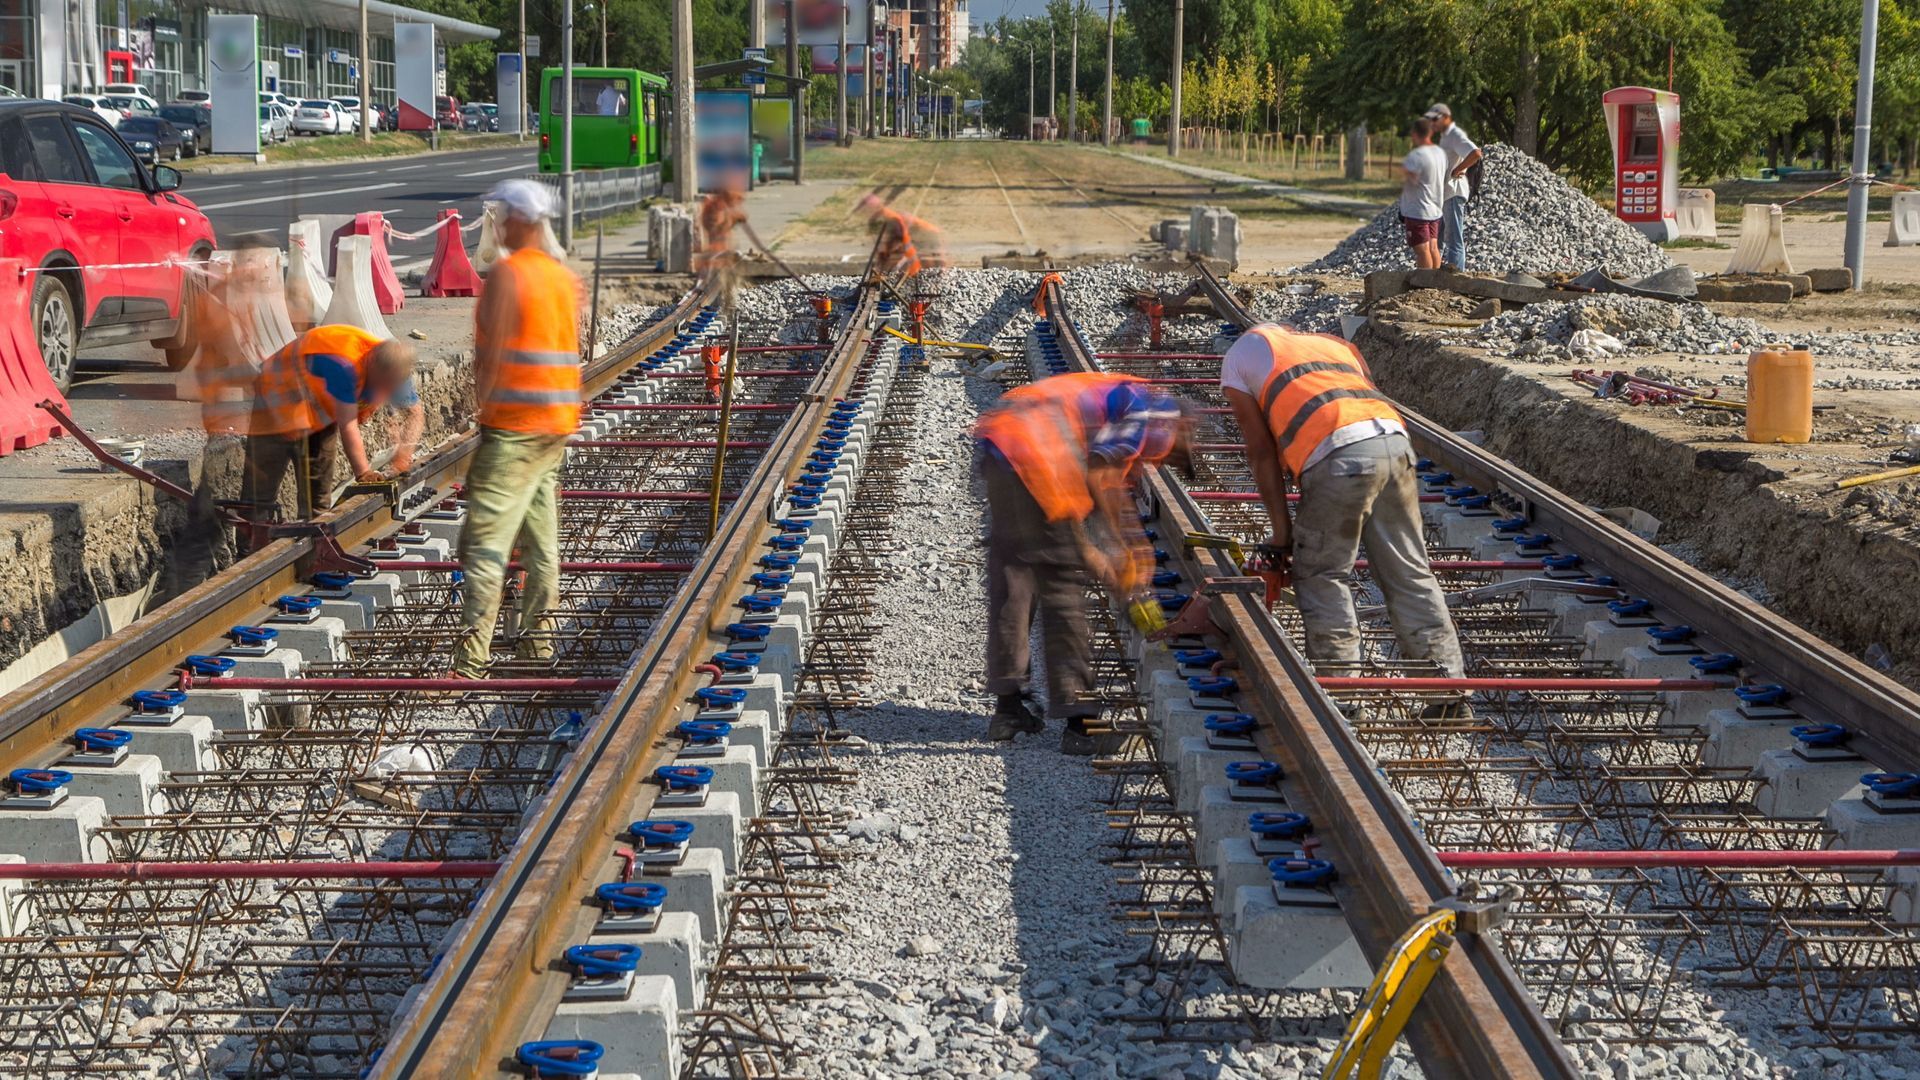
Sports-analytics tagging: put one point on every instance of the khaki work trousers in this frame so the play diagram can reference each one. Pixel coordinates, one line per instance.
(1034, 565)
(1367, 492)
(513, 501)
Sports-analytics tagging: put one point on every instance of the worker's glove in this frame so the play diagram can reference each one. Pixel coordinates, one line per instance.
(371, 476)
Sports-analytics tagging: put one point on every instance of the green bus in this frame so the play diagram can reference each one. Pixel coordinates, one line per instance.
(618, 118)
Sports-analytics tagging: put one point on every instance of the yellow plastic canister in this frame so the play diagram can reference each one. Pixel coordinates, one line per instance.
(1780, 395)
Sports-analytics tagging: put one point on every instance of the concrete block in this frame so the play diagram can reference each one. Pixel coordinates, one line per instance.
(640, 1033)
(1606, 641)
(754, 730)
(671, 951)
(130, 788)
(1641, 662)
(767, 694)
(1198, 765)
(1694, 707)
(734, 771)
(696, 886)
(16, 910)
(1734, 740)
(1864, 828)
(1220, 817)
(354, 613)
(1798, 788)
(322, 641)
(67, 833)
(717, 825)
(1292, 947)
(1903, 898)
(184, 746)
(1236, 866)
(1574, 613)
(230, 710)
(278, 664)
(445, 529)
(1460, 530)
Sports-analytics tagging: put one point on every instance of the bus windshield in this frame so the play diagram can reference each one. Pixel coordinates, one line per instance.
(607, 95)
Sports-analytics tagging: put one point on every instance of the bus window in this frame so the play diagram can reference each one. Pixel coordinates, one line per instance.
(594, 96)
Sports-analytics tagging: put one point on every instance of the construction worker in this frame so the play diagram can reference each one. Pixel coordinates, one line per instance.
(223, 377)
(526, 373)
(317, 391)
(897, 254)
(1058, 457)
(720, 212)
(1308, 409)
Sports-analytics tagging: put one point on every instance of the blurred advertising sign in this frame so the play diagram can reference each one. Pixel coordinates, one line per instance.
(723, 139)
(817, 22)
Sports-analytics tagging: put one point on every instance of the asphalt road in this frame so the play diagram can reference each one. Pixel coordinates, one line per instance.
(410, 191)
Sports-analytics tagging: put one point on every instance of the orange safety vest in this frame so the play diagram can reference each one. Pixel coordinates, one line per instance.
(1042, 430)
(289, 398)
(222, 373)
(1316, 387)
(896, 244)
(537, 388)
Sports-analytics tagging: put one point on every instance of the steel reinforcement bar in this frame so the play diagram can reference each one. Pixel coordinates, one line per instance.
(1477, 1019)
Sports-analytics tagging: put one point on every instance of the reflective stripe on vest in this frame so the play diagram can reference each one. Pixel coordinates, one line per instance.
(1041, 430)
(1315, 388)
(537, 388)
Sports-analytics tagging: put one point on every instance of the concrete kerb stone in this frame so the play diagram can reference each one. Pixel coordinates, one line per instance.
(640, 1034)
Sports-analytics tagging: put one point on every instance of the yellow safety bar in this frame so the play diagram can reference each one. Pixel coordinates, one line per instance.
(1412, 963)
(911, 340)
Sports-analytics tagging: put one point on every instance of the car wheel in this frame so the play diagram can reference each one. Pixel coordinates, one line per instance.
(56, 328)
(177, 152)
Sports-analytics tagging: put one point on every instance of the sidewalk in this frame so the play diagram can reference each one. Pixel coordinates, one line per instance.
(1339, 204)
(771, 209)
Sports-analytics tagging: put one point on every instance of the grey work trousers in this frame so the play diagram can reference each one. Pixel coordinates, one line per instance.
(1367, 492)
(1034, 564)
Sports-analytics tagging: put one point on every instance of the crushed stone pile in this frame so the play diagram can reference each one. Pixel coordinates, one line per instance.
(1524, 218)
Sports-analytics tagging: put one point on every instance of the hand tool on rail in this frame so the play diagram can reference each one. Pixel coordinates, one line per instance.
(327, 552)
(1270, 563)
(1404, 975)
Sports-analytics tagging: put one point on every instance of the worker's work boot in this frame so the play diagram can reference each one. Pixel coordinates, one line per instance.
(1076, 741)
(1454, 709)
(1012, 717)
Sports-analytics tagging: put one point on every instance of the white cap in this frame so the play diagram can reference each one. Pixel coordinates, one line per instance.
(524, 199)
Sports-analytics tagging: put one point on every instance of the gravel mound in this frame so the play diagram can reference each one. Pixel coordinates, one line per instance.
(1525, 218)
(1546, 331)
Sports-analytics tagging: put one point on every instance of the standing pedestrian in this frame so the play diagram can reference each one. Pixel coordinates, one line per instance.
(526, 374)
(1462, 155)
(1058, 457)
(1423, 194)
(1308, 408)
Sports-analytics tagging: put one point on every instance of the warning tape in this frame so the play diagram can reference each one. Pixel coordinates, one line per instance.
(1871, 180)
(183, 263)
(466, 226)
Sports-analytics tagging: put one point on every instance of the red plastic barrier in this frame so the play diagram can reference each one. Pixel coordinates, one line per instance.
(24, 382)
(452, 273)
(386, 283)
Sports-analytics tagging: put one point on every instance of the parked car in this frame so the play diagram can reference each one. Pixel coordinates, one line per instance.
(9, 92)
(273, 125)
(132, 105)
(447, 112)
(195, 123)
(127, 89)
(97, 105)
(73, 195)
(318, 116)
(480, 116)
(153, 139)
(351, 106)
(196, 97)
(389, 117)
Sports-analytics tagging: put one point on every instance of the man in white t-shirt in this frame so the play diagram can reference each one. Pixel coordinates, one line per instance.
(1423, 195)
(1462, 154)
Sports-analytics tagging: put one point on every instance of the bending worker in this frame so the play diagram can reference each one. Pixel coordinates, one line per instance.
(1058, 457)
(526, 375)
(318, 389)
(897, 254)
(1308, 408)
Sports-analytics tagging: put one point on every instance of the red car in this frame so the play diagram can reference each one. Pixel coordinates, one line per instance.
(109, 231)
(448, 110)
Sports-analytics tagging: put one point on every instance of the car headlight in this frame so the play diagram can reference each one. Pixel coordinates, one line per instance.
(142, 144)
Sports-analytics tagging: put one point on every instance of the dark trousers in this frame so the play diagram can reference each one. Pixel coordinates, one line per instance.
(271, 457)
(1034, 564)
(204, 541)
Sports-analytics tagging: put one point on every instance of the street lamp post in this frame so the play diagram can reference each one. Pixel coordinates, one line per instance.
(1073, 77)
(602, 5)
(1173, 116)
(366, 79)
(1030, 61)
(566, 128)
(1106, 108)
(1856, 241)
(1053, 73)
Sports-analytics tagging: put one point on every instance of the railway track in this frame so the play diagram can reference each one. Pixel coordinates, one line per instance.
(1699, 786)
(304, 852)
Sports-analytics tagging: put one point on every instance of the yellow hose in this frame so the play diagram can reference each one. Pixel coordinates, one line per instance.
(911, 340)
(1874, 478)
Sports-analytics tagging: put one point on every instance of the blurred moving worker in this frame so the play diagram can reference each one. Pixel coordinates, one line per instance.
(223, 376)
(526, 374)
(720, 212)
(1308, 408)
(316, 392)
(1058, 457)
(1423, 192)
(1462, 155)
(897, 255)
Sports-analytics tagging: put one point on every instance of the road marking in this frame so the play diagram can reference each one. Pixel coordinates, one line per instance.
(215, 187)
(519, 167)
(406, 168)
(1017, 223)
(295, 198)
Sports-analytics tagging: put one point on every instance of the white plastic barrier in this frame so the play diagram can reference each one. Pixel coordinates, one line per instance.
(1763, 245)
(257, 295)
(308, 293)
(1694, 214)
(1904, 230)
(354, 303)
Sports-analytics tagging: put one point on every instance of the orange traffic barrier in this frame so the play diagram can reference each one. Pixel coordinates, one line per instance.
(24, 382)
(451, 273)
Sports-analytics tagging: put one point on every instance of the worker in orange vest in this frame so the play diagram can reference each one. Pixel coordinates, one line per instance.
(1059, 457)
(223, 376)
(1309, 410)
(901, 236)
(526, 373)
(318, 391)
(720, 213)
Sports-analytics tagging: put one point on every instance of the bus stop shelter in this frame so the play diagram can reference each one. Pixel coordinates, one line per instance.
(779, 112)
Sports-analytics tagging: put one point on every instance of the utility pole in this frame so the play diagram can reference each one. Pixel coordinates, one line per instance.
(526, 74)
(1857, 186)
(686, 183)
(866, 95)
(1030, 63)
(1173, 115)
(1106, 108)
(602, 5)
(366, 80)
(566, 128)
(840, 133)
(1053, 75)
(800, 95)
(1073, 78)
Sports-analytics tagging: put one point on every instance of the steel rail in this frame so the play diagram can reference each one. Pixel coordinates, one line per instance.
(1476, 1019)
(36, 719)
(497, 984)
(1828, 685)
